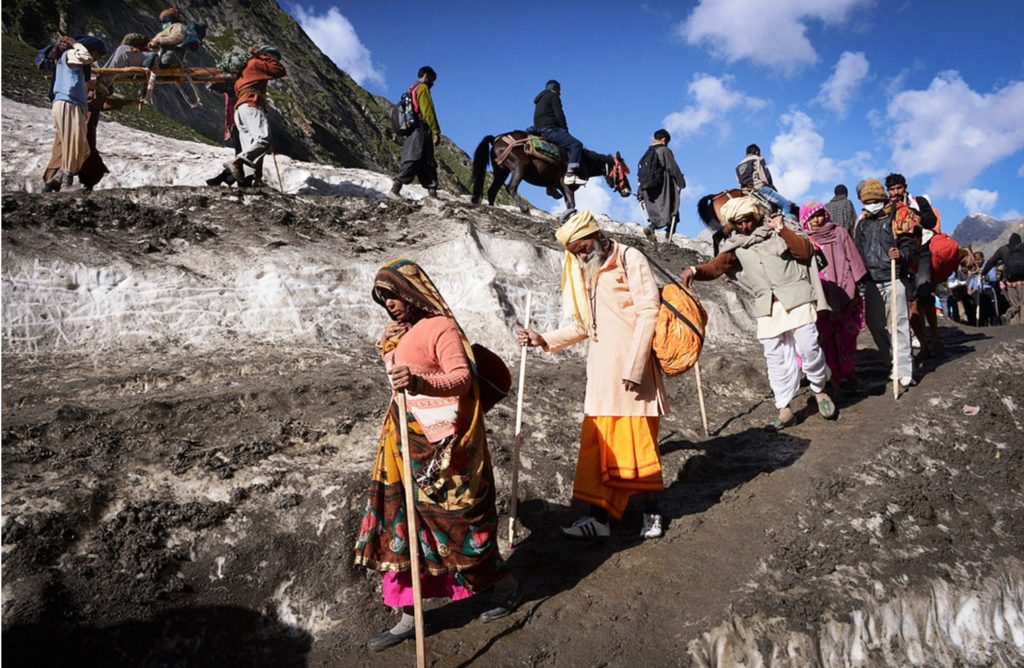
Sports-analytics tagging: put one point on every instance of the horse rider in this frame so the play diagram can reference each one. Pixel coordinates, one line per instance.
(549, 122)
(752, 174)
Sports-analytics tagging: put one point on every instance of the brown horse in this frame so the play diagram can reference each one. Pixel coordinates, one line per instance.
(709, 209)
(508, 156)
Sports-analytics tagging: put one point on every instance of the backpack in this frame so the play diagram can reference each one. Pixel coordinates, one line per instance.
(494, 376)
(404, 118)
(679, 329)
(234, 62)
(945, 256)
(1014, 265)
(195, 33)
(651, 173)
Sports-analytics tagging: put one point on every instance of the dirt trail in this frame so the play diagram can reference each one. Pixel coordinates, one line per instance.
(173, 504)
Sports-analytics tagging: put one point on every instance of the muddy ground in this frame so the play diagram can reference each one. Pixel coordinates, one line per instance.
(175, 505)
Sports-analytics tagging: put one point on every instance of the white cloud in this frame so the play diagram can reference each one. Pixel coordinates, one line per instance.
(713, 99)
(954, 133)
(336, 37)
(769, 33)
(596, 197)
(849, 72)
(980, 201)
(798, 158)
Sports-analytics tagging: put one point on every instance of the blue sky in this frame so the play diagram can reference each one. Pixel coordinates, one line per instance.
(832, 90)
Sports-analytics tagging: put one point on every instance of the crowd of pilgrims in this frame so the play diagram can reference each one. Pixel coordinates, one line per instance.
(819, 273)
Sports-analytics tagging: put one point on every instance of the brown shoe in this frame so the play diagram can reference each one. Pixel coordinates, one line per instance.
(235, 167)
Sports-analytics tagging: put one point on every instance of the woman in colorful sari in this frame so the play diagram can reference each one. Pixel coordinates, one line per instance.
(837, 328)
(427, 356)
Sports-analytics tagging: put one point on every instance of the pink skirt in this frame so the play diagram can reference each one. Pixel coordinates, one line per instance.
(398, 588)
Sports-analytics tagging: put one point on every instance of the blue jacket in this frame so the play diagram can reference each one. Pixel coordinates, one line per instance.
(69, 83)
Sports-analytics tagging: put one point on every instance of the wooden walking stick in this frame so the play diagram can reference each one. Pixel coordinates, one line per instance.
(414, 538)
(700, 398)
(280, 183)
(519, 431)
(894, 337)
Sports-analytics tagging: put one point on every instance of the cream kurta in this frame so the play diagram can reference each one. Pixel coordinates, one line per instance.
(625, 310)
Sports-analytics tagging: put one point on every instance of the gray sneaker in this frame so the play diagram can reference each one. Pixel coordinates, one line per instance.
(587, 528)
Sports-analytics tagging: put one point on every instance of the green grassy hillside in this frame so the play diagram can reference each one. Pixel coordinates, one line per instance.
(317, 113)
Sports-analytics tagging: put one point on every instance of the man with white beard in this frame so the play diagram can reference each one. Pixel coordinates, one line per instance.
(610, 297)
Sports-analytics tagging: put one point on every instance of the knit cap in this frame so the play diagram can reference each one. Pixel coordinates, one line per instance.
(871, 190)
(271, 51)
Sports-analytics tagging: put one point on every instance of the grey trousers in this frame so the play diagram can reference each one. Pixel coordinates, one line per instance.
(253, 134)
(877, 313)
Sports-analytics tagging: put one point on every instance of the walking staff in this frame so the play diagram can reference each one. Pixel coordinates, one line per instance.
(519, 432)
(414, 542)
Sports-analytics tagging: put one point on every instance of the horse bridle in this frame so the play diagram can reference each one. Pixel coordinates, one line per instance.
(616, 174)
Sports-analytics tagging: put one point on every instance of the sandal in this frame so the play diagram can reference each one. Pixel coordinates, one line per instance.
(827, 408)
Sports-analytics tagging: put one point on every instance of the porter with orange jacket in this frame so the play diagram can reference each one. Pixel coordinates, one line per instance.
(251, 110)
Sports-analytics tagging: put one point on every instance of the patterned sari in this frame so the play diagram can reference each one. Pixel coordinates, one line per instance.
(455, 511)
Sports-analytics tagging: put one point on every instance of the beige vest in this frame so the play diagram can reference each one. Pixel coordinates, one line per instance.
(773, 277)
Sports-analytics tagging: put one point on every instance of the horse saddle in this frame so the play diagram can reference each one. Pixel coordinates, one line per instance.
(539, 147)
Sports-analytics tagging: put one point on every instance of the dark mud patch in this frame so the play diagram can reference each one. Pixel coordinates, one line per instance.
(108, 213)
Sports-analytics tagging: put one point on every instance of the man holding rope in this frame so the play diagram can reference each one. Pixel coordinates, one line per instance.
(611, 300)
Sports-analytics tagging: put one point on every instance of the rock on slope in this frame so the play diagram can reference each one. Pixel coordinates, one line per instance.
(985, 233)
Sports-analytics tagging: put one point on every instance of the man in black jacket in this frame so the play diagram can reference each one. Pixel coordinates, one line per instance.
(1011, 256)
(878, 245)
(549, 122)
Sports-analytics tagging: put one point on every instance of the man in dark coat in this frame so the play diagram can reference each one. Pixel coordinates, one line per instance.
(841, 209)
(549, 121)
(663, 206)
(885, 233)
(1011, 256)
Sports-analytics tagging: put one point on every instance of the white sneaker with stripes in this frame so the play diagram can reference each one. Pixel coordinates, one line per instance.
(587, 528)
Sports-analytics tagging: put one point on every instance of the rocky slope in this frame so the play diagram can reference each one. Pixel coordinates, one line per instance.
(191, 399)
(318, 113)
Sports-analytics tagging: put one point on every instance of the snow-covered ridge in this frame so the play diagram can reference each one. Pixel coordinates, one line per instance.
(257, 283)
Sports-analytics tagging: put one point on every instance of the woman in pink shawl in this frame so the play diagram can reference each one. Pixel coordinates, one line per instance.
(838, 328)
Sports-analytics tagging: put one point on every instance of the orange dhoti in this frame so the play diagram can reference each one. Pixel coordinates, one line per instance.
(618, 458)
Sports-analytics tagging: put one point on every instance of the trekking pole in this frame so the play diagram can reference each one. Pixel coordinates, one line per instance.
(280, 183)
(894, 336)
(513, 510)
(980, 292)
(414, 539)
(700, 398)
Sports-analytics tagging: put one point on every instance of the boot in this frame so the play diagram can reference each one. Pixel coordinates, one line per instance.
(432, 192)
(219, 179)
(396, 187)
(235, 168)
(67, 180)
(53, 185)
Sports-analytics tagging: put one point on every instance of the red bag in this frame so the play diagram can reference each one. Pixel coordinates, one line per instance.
(494, 376)
(945, 256)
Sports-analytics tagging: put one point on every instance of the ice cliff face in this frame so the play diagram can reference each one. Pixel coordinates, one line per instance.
(165, 260)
